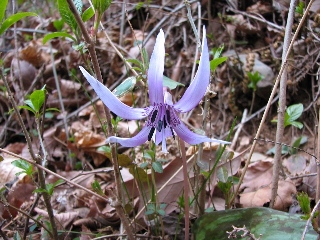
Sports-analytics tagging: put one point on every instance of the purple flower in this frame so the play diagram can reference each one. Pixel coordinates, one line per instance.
(162, 114)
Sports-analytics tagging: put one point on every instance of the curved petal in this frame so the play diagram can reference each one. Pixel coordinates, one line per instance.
(137, 140)
(155, 71)
(199, 84)
(192, 138)
(111, 101)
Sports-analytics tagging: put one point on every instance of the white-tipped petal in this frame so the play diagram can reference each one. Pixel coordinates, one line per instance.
(111, 101)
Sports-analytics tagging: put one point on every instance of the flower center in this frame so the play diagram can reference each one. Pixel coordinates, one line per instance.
(162, 119)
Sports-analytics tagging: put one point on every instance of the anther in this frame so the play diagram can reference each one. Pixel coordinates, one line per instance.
(172, 133)
(151, 134)
(159, 127)
(154, 115)
(168, 116)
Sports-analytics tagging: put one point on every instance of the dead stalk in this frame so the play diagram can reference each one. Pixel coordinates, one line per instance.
(282, 106)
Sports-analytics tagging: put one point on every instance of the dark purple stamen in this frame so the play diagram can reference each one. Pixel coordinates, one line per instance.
(154, 115)
(172, 133)
(168, 116)
(164, 123)
(159, 127)
(151, 133)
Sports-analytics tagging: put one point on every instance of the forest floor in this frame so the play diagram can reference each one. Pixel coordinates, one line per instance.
(251, 34)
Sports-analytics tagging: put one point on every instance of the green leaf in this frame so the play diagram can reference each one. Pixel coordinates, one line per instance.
(58, 24)
(50, 36)
(304, 202)
(126, 86)
(171, 84)
(272, 224)
(13, 19)
(24, 165)
(294, 112)
(87, 14)
(37, 98)
(297, 124)
(157, 166)
(299, 141)
(144, 164)
(28, 107)
(66, 14)
(149, 154)
(3, 7)
(222, 174)
(105, 149)
(101, 5)
(96, 187)
(216, 62)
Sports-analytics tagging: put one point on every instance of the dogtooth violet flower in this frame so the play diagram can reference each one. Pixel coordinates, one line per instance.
(162, 114)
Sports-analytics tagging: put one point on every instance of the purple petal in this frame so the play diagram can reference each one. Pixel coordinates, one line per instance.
(198, 86)
(192, 138)
(111, 101)
(137, 140)
(155, 71)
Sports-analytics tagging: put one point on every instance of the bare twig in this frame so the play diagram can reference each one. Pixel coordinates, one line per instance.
(310, 219)
(282, 107)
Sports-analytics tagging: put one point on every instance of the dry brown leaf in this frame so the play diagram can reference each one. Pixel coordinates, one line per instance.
(32, 54)
(259, 174)
(68, 88)
(8, 171)
(25, 70)
(262, 196)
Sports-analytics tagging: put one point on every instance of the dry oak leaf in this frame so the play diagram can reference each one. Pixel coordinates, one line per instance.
(262, 196)
(259, 174)
(295, 164)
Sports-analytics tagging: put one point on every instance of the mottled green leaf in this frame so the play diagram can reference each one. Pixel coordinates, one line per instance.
(272, 224)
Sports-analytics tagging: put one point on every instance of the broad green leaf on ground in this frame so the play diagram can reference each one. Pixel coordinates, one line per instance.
(271, 224)
(13, 19)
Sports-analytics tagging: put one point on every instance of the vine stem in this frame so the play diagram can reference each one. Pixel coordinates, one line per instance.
(273, 93)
